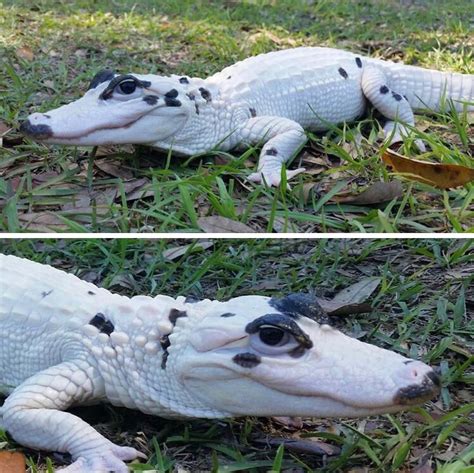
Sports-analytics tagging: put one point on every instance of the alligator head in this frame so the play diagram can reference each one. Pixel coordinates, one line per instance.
(254, 355)
(116, 109)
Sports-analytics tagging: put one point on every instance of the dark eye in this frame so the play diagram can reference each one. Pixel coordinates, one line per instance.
(127, 87)
(271, 335)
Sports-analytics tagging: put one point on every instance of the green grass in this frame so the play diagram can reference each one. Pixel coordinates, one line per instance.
(422, 309)
(49, 52)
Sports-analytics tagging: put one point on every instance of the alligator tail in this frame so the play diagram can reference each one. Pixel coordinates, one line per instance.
(430, 89)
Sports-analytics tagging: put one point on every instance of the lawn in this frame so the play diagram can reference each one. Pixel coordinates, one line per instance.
(422, 308)
(50, 50)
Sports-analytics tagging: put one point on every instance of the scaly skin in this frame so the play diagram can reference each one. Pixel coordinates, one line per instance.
(268, 99)
(67, 342)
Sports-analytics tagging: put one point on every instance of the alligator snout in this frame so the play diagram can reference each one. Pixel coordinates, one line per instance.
(39, 131)
(422, 391)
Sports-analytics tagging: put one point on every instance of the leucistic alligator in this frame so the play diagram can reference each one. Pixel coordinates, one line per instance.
(268, 99)
(67, 342)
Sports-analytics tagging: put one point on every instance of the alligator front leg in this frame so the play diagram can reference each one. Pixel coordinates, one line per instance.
(391, 104)
(33, 416)
(282, 138)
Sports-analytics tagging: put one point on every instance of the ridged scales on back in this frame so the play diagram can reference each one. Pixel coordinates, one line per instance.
(267, 100)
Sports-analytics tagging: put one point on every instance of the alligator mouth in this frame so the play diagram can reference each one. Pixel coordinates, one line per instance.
(45, 132)
(408, 396)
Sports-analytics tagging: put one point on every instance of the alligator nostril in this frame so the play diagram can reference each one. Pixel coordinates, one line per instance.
(39, 132)
(434, 378)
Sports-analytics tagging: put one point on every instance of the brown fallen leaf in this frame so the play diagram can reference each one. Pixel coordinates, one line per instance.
(12, 462)
(4, 128)
(375, 194)
(171, 254)
(351, 300)
(294, 423)
(25, 53)
(313, 446)
(217, 224)
(444, 176)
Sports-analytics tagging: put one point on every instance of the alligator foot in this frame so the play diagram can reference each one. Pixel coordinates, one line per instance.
(104, 460)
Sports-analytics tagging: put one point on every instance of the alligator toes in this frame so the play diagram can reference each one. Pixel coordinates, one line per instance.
(273, 178)
(104, 461)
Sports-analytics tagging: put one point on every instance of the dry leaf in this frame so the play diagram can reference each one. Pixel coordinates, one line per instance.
(375, 194)
(217, 224)
(444, 176)
(114, 168)
(4, 128)
(295, 423)
(42, 221)
(351, 300)
(171, 254)
(12, 462)
(25, 53)
(311, 446)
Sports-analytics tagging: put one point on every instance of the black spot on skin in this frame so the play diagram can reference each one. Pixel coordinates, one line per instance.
(284, 322)
(175, 314)
(191, 96)
(418, 392)
(46, 294)
(358, 62)
(102, 76)
(271, 152)
(196, 106)
(301, 305)
(405, 97)
(191, 300)
(253, 112)
(384, 90)
(247, 360)
(99, 321)
(343, 72)
(150, 99)
(227, 314)
(408, 362)
(172, 94)
(91, 293)
(183, 80)
(39, 132)
(170, 102)
(396, 96)
(205, 94)
(46, 115)
(165, 344)
(230, 77)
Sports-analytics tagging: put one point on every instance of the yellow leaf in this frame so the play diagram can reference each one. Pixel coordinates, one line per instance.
(444, 176)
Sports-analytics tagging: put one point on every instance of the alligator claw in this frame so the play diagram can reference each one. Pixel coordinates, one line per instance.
(273, 178)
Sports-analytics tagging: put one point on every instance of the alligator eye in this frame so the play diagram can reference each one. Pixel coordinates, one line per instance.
(127, 87)
(271, 335)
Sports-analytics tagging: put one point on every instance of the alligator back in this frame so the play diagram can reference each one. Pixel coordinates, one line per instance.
(41, 311)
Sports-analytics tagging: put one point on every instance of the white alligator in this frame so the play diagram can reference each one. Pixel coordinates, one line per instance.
(266, 100)
(66, 342)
